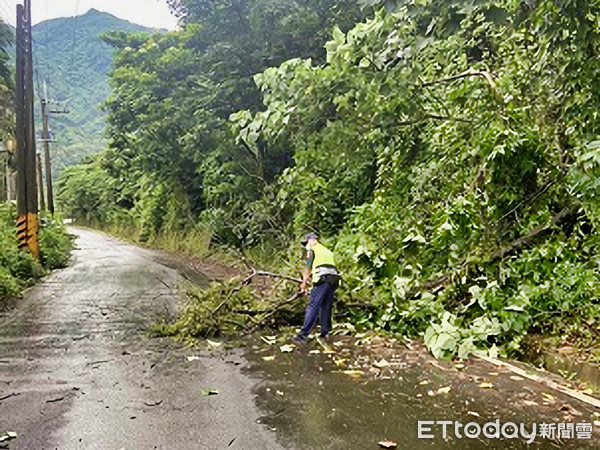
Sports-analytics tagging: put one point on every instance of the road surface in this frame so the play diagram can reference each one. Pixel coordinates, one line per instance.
(78, 370)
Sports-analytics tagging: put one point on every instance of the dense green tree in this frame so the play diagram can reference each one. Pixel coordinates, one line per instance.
(6, 81)
(172, 97)
(450, 148)
(454, 144)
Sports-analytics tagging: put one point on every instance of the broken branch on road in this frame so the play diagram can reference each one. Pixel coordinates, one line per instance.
(153, 404)
(14, 394)
(237, 306)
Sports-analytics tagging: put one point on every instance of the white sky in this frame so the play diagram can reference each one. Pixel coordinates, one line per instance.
(151, 13)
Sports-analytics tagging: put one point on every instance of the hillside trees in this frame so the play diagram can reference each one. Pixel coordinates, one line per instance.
(450, 148)
(7, 107)
(74, 62)
(6, 81)
(171, 144)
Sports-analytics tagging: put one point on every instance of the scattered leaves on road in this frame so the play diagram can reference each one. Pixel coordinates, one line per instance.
(7, 436)
(548, 398)
(287, 348)
(354, 373)
(213, 343)
(269, 340)
(570, 410)
(381, 364)
(206, 392)
(486, 385)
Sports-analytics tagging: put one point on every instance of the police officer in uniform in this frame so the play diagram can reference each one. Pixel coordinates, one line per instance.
(320, 269)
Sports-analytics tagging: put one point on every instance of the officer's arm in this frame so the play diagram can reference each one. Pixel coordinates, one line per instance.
(307, 270)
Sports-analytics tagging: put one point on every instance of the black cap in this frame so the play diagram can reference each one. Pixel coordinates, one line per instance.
(309, 236)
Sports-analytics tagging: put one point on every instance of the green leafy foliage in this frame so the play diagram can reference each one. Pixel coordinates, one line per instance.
(171, 141)
(18, 268)
(211, 312)
(449, 148)
(445, 159)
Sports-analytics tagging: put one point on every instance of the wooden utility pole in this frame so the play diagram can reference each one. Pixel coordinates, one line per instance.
(46, 111)
(46, 141)
(40, 181)
(27, 194)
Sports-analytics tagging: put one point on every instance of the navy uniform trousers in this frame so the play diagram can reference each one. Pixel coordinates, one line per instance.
(319, 304)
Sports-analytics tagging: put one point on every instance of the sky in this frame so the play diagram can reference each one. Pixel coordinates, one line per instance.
(150, 13)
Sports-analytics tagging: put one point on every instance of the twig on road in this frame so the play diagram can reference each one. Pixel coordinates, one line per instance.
(153, 404)
(93, 363)
(14, 394)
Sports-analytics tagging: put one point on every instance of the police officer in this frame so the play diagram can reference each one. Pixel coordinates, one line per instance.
(320, 267)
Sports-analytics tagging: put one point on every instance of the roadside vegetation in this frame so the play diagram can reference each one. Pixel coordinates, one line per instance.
(17, 268)
(447, 150)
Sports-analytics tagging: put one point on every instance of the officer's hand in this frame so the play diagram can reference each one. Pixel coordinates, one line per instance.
(303, 289)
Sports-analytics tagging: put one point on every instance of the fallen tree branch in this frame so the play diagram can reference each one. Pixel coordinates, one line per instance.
(487, 76)
(523, 240)
(512, 246)
(248, 279)
(262, 273)
(277, 308)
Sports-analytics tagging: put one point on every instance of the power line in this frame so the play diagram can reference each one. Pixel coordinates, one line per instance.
(74, 41)
(46, 22)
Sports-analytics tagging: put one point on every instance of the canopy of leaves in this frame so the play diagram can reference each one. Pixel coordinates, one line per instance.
(450, 148)
(6, 82)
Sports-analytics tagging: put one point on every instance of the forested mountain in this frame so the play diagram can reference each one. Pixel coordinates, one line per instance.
(74, 61)
(448, 149)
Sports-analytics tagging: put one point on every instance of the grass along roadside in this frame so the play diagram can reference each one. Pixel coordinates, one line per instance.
(18, 269)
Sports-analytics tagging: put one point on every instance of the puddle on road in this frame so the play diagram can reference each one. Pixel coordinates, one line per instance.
(310, 403)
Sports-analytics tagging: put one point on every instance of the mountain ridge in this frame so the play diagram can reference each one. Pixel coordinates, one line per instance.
(72, 63)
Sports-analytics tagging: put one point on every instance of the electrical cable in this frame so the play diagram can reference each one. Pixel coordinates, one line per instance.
(73, 42)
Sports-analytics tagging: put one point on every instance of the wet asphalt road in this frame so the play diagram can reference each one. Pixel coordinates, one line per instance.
(77, 369)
